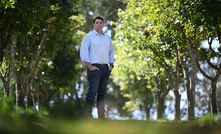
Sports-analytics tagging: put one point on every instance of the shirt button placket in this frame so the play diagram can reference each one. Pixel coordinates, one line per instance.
(102, 48)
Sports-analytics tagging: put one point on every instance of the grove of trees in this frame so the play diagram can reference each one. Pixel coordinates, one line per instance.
(159, 42)
(158, 45)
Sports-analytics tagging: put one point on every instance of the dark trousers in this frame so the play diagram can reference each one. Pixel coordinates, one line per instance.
(97, 82)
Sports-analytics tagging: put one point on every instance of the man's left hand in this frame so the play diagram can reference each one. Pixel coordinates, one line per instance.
(111, 67)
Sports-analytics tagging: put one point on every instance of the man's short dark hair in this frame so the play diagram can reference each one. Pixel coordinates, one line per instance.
(98, 17)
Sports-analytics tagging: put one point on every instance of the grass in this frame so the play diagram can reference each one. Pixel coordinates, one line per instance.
(45, 125)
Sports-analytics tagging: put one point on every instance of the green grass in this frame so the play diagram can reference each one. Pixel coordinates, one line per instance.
(131, 127)
(45, 125)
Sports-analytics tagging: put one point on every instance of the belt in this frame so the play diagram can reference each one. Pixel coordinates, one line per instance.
(103, 65)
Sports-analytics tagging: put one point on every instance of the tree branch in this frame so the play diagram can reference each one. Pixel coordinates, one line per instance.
(215, 20)
(200, 69)
(108, 9)
(159, 57)
(207, 60)
(28, 76)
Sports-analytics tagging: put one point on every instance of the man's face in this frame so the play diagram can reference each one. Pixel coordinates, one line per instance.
(98, 25)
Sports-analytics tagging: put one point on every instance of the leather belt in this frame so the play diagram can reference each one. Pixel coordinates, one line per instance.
(103, 65)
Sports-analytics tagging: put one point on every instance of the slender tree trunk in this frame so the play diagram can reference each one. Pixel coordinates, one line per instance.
(213, 98)
(19, 95)
(6, 84)
(2, 51)
(190, 102)
(30, 88)
(159, 110)
(174, 84)
(177, 95)
(3, 45)
(37, 94)
(29, 98)
(157, 98)
(162, 105)
(177, 98)
(74, 92)
(192, 85)
(5, 74)
(189, 90)
(189, 83)
(19, 90)
(6, 89)
(147, 111)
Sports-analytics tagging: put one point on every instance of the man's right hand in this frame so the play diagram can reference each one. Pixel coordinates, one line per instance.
(91, 68)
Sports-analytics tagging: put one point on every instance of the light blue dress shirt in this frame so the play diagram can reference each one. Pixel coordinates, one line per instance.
(96, 48)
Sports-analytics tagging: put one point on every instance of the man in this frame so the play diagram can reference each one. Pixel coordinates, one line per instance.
(97, 54)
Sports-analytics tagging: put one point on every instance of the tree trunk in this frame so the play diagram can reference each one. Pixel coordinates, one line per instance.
(190, 102)
(19, 95)
(174, 84)
(157, 98)
(189, 91)
(29, 98)
(5, 75)
(4, 41)
(19, 90)
(37, 94)
(192, 85)
(46, 96)
(189, 80)
(6, 84)
(213, 98)
(74, 92)
(6, 90)
(177, 95)
(177, 98)
(30, 88)
(2, 52)
(147, 111)
(159, 110)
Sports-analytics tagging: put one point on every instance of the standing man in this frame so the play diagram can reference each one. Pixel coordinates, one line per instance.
(97, 54)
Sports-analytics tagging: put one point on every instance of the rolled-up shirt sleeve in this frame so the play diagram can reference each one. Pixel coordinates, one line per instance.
(84, 51)
(111, 53)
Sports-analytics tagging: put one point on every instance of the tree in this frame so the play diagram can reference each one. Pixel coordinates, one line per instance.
(146, 35)
(204, 16)
(31, 29)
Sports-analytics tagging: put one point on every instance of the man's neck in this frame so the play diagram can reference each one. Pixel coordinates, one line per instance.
(100, 31)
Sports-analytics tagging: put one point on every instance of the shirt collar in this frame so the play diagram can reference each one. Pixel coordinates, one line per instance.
(95, 32)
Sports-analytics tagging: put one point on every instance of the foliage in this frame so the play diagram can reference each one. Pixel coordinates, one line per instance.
(149, 35)
(108, 9)
(9, 112)
(65, 109)
(143, 49)
(7, 3)
(208, 120)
